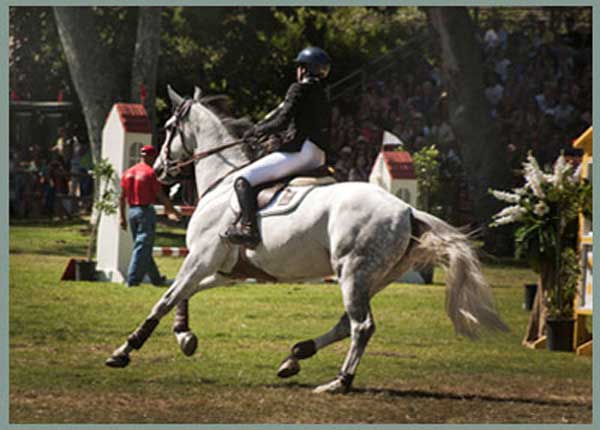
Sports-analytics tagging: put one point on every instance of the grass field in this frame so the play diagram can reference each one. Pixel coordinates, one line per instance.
(415, 369)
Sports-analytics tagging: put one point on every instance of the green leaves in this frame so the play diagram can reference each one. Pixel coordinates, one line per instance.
(427, 170)
(560, 298)
(105, 197)
(105, 176)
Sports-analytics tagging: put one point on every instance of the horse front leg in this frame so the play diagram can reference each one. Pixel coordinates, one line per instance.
(195, 267)
(187, 340)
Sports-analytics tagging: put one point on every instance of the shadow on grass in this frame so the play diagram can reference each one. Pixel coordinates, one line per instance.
(423, 394)
(47, 222)
(60, 249)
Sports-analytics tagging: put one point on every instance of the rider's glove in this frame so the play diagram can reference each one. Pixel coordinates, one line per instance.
(250, 133)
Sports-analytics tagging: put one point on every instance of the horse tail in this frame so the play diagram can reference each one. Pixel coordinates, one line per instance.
(469, 301)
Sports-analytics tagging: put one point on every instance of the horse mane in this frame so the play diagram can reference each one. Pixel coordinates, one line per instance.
(219, 104)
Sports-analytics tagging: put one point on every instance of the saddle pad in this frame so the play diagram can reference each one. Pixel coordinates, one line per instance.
(293, 194)
(284, 202)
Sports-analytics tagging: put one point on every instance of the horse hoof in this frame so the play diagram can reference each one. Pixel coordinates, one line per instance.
(188, 342)
(336, 386)
(289, 367)
(118, 361)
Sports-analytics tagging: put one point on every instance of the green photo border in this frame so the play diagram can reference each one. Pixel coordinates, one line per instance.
(4, 213)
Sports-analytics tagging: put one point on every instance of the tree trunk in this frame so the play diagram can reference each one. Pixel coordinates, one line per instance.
(92, 70)
(462, 68)
(145, 61)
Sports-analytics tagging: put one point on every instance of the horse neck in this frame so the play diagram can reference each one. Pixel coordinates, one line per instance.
(214, 167)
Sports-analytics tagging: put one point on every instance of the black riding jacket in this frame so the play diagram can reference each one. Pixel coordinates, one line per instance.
(304, 114)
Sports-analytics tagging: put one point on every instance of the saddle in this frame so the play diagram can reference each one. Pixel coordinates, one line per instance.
(265, 193)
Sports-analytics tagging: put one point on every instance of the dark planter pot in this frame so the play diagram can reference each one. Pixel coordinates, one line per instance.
(426, 273)
(559, 334)
(85, 270)
(529, 296)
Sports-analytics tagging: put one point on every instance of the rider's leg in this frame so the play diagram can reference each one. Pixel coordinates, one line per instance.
(247, 232)
(281, 164)
(270, 168)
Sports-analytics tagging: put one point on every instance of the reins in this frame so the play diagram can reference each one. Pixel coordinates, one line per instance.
(173, 126)
(204, 154)
(222, 178)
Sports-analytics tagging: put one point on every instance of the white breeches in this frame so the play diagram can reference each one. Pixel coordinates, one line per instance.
(278, 165)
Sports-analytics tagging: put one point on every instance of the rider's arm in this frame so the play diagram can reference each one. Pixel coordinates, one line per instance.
(272, 113)
(284, 115)
(122, 209)
(169, 208)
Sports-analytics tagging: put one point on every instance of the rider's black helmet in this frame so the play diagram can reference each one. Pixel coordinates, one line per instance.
(316, 61)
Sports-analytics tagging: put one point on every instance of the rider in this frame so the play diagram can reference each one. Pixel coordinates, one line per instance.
(304, 115)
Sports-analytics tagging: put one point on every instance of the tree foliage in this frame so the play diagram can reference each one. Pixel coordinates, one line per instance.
(243, 51)
(247, 52)
(38, 69)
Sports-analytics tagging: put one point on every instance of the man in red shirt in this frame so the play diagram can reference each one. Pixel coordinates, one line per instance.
(140, 189)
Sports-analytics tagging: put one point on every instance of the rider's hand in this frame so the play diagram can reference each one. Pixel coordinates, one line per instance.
(250, 133)
(123, 224)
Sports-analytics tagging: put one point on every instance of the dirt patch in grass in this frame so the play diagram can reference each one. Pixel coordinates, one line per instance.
(473, 401)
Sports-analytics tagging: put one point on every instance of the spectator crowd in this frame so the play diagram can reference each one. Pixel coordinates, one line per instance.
(53, 183)
(538, 85)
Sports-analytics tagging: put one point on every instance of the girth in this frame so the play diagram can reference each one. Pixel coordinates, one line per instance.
(244, 269)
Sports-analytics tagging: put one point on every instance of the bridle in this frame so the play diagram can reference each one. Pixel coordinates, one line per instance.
(173, 128)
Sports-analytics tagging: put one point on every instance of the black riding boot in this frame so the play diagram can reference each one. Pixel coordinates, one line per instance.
(246, 232)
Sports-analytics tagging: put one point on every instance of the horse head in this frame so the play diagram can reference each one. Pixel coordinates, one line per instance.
(181, 141)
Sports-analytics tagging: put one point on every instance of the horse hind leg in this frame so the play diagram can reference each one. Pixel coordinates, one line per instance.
(306, 349)
(362, 326)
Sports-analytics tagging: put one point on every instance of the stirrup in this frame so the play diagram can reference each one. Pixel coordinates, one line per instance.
(242, 235)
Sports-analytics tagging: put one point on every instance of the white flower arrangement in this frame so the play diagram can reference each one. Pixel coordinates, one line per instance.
(509, 215)
(541, 191)
(545, 209)
(534, 176)
(541, 209)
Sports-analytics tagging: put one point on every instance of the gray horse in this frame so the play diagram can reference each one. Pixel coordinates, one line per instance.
(357, 231)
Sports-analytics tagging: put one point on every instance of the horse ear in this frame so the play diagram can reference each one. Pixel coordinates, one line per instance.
(197, 94)
(176, 99)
